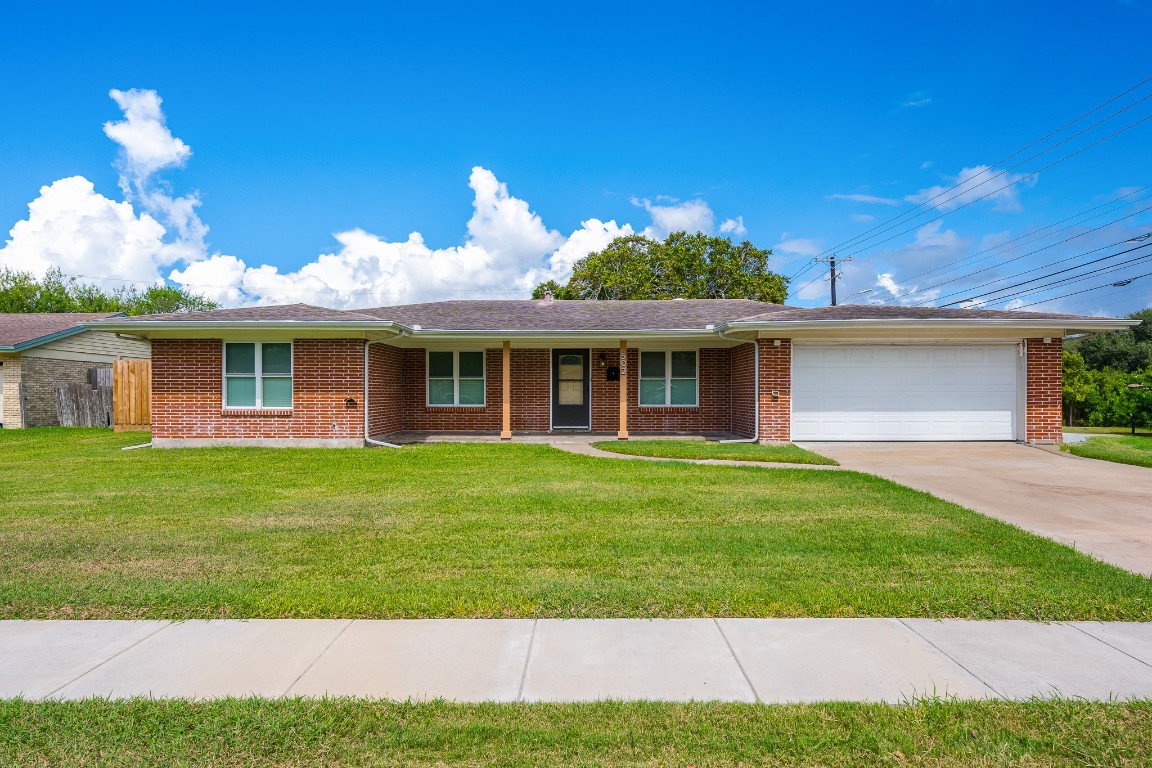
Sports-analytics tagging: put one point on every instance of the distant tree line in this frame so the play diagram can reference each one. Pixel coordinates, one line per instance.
(1097, 371)
(55, 292)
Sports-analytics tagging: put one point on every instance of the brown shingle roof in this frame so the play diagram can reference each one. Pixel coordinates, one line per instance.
(560, 315)
(20, 329)
(877, 312)
(570, 316)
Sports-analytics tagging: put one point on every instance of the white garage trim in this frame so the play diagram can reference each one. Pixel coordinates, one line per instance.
(906, 392)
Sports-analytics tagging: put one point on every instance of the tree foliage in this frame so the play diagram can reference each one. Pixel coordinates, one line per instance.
(683, 266)
(22, 292)
(1098, 370)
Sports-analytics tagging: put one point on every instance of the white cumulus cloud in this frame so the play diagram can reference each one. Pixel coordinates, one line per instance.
(981, 182)
(154, 234)
(734, 226)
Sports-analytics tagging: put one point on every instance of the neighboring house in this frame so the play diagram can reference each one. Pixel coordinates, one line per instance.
(39, 350)
(304, 375)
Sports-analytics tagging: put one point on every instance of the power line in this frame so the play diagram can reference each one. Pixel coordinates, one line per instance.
(1065, 280)
(1006, 186)
(1026, 271)
(892, 220)
(1086, 290)
(1030, 237)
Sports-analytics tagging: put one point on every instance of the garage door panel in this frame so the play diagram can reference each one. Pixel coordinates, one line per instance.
(904, 393)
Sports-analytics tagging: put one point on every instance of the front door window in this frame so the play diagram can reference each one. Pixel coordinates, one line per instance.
(571, 380)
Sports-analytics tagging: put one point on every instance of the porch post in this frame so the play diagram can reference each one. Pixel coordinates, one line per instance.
(622, 434)
(506, 400)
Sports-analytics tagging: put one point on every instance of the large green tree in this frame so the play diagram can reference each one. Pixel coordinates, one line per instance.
(683, 266)
(23, 292)
(1129, 350)
(1098, 370)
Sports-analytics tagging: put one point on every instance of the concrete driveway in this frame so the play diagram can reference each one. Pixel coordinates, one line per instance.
(1101, 508)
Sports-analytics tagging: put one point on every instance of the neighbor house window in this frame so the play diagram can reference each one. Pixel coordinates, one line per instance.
(667, 378)
(258, 374)
(455, 378)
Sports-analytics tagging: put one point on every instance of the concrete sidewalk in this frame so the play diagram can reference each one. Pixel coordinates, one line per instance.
(767, 660)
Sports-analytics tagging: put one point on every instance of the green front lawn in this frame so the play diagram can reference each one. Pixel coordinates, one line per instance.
(297, 733)
(700, 449)
(1124, 450)
(502, 530)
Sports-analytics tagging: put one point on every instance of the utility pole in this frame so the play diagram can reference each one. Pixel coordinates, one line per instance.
(832, 274)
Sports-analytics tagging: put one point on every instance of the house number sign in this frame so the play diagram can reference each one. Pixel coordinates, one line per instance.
(624, 365)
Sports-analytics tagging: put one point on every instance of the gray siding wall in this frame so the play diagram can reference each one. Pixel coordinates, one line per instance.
(98, 346)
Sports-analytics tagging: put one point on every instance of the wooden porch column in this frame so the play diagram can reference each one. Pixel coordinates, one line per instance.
(506, 400)
(622, 434)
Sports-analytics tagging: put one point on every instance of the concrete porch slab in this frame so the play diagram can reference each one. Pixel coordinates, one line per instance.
(39, 657)
(459, 659)
(807, 660)
(656, 659)
(209, 659)
(1019, 659)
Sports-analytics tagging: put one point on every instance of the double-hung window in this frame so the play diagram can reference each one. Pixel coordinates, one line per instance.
(455, 378)
(258, 374)
(667, 377)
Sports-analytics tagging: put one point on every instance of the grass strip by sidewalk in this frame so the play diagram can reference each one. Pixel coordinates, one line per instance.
(503, 531)
(298, 733)
(1122, 450)
(701, 449)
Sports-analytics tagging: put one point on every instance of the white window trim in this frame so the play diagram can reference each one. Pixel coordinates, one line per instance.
(668, 379)
(455, 379)
(258, 375)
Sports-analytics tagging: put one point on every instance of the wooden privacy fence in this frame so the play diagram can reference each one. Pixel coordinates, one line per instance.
(132, 394)
(86, 404)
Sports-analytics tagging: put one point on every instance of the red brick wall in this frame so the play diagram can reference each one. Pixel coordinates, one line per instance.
(420, 417)
(187, 393)
(743, 393)
(711, 415)
(1045, 390)
(384, 399)
(776, 376)
(531, 389)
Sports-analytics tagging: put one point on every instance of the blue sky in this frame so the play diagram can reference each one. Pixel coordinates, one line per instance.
(315, 141)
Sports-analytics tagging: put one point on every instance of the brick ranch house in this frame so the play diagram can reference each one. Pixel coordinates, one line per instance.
(309, 376)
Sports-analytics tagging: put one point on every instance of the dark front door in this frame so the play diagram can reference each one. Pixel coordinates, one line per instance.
(570, 390)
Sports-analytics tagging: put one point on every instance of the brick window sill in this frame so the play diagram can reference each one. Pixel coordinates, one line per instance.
(452, 408)
(668, 408)
(257, 412)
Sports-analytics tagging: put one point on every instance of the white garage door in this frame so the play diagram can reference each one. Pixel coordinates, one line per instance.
(904, 392)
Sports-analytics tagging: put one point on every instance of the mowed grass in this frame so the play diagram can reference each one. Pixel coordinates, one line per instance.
(1123, 450)
(700, 449)
(491, 530)
(297, 733)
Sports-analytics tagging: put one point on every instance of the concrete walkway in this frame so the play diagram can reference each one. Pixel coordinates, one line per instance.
(585, 448)
(1099, 507)
(766, 660)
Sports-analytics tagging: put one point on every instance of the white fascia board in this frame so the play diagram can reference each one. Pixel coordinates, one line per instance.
(1069, 324)
(496, 333)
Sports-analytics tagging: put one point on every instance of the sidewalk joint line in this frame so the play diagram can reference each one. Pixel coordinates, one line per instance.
(527, 661)
(736, 659)
(323, 651)
(1105, 642)
(948, 656)
(163, 625)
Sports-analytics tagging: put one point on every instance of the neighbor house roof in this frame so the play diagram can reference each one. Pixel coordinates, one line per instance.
(695, 316)
(24, 331)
